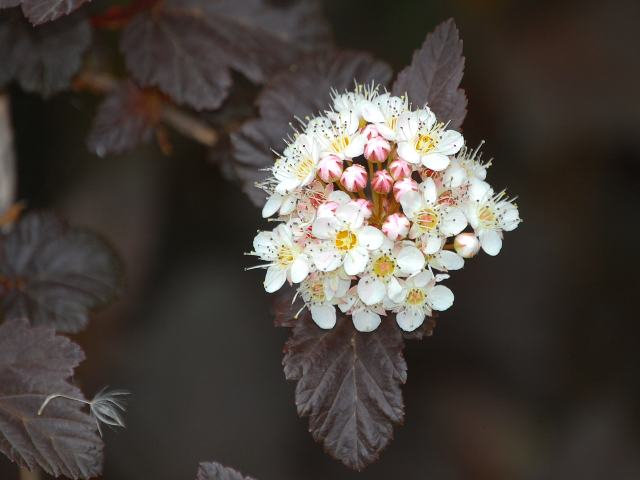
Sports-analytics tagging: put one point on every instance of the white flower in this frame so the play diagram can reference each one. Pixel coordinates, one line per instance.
(344, 240)
(342, 139)
(489, 215)
(286, 258)
(464, 167)
(297, 166)
(366, 318)
(322, 308)
(418, 297)
(386, 263)
(431, 221)
(445, 260)
(422, 140)
(384, 112)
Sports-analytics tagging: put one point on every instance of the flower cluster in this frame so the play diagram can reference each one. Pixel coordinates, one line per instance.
(377, 203)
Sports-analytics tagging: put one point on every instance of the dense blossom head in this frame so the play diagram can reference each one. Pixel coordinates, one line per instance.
(377, 202)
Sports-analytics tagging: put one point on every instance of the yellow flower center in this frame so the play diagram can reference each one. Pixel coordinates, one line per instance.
(285, 256)
(346, 240)
(304, 168)
(415, 297)
(425, 143)
(340, 143)
(486, 215)
(427, 219)
(317, 292)
(384, 266)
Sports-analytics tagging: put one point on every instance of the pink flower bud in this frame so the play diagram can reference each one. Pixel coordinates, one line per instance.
(396, 226)
(366, 206)
(370, 131)
(354, 178)
(377, 149)
(403, 186)
(466, 244)
(382, 182)
(399, 169)
(330, 168)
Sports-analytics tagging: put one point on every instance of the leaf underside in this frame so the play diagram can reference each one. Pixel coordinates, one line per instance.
(34, 363)
(302, 91)
(435, 74)
(42, 59)
(42, 11)
(54, 274)
(215, 471)
(187, 48)
(348, 385)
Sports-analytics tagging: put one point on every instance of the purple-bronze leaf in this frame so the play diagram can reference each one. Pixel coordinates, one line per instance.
(126, 118)
(42, 59)
(187, 48)
(54, 274)
(435, 74)
(304, 89)
(34, 363)
(41, 11)
(348, 385)
(215, 471)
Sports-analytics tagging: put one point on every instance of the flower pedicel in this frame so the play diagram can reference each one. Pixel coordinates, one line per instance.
(377, 203)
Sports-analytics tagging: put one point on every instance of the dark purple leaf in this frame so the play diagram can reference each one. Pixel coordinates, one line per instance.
(126, 118)
(35, 363)
(305, 89)
(435, 74)
(42, 11)
(42, 59)
(187, 47)
(54, 274)
(285, 308)
(424, 330)
(348, 386)
(215, 471)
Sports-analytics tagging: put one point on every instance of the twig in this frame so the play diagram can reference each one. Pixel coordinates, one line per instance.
(26, 474)
(176, 118)
(7, 157)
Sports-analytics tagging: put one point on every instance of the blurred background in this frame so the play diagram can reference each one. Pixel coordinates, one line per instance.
(534, 373)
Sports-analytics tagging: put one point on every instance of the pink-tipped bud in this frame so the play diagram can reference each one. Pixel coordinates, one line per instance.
(377, 149)
(396, 226)
(370, 131)
(467, 245)
(354, 178)
(399, 169)
(382, 182)
(330, 168)
(366, 206)
(403, 186)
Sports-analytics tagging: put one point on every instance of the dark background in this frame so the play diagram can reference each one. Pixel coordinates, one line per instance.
(534, 373)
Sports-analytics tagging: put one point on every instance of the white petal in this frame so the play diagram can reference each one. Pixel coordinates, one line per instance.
(299, 269)
(410, 260)
(288, 205)
(371, 113)
(287, 186)
(351, 214)
(339, 197)
(429, 190)
(455, 176)
(422, 279)
(365, 320)
(410, 319)
(479, 190)
(325, 259)
(435, 161)
(272, 205)
(411, 202)
(491, 242)
(407, 152)
(395, 291)
(440, 297)
(274, 279)
(356, 260)
(451, 142)
(324, 316)
(325, 227)
(356, 146)
(386, 131)
(451, 260)
(453, 221)
(370, 237)
(431, 244)
(371, 290)
(264, 246)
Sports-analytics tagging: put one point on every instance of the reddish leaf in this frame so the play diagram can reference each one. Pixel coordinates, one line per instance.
(301, 91)
(348, 386)
(126, 118)
(42, 11)
(215, 471)
(54, 274)
(35, 363)
(187, 47)
(41, 59)
(435, 74)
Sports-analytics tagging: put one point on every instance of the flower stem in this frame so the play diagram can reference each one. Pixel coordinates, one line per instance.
(57, 395)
